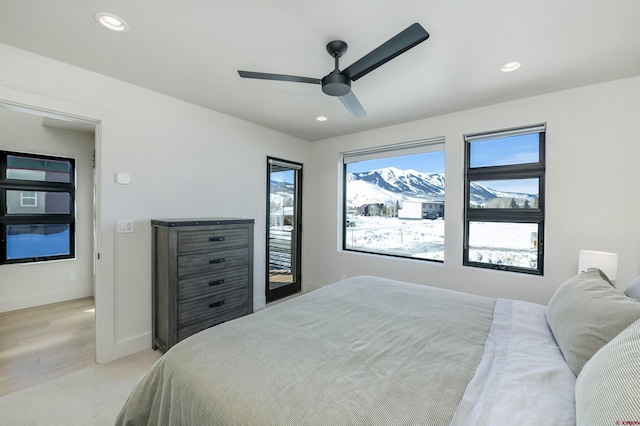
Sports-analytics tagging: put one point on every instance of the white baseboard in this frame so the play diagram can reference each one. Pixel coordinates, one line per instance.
(126, 347)
(259, 303)
(309, 287)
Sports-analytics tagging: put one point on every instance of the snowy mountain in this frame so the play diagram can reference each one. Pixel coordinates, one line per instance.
(487, 197)
(391, 185)
(281, 194)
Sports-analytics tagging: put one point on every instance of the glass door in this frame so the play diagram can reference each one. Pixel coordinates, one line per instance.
(284, 225)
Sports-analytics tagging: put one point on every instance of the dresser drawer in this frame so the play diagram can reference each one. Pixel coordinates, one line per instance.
(212, 262)
(209, 285)
(188, 330)
(202, 275)
(212, 239)
(212, 306)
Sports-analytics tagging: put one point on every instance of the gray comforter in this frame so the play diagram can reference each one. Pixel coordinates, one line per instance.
(364, 351)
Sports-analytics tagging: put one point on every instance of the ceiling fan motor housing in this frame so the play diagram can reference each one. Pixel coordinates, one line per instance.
(336, 84)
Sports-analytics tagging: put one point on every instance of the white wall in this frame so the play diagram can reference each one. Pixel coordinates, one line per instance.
(593, 193)
(26, 285)
(184, 161)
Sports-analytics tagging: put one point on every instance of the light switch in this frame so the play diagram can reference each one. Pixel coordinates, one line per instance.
(125, 226)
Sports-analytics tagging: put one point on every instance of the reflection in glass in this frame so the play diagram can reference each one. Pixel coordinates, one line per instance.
(509, 244)
(505, 194)
(282, 217)
(38, 169)
(37, 240)
(38, 202)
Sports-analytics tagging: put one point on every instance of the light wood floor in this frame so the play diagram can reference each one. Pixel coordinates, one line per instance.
(45, 342)
(277, 280)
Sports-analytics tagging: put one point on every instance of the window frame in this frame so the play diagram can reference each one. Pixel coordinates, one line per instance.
(33, 198)
(421, 146)
(36, 218)
(530, 215)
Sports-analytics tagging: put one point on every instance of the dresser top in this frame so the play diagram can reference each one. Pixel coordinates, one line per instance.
(200, 221)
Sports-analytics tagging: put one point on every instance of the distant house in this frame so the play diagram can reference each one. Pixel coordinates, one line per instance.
(374, 209)
(37, 202)
(421, 210)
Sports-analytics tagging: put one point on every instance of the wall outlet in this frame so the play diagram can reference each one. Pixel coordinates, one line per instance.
(125, 226)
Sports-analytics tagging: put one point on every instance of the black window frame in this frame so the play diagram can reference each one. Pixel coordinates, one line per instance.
(272, 294)
(505, 215)
(6, 219)
(421, 146)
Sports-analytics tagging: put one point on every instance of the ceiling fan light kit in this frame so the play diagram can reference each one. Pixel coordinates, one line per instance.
(338, 83)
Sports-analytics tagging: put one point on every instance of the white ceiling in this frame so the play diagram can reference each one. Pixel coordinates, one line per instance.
(192, 49)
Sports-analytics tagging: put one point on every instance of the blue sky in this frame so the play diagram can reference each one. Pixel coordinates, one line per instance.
(513, 150)
(492, 152)
(282, 176)
(431, 162)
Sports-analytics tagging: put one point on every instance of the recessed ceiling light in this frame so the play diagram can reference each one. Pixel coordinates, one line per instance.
(321, 118)
(111, 21)
(510, 66)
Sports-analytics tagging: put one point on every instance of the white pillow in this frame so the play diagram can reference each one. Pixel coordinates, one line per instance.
(633, 289)
(585, 313)
(608, 387)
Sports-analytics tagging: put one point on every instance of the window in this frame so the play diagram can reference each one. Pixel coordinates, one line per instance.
(504, 200)
(394, 200)
(28, 199)
(37, 199)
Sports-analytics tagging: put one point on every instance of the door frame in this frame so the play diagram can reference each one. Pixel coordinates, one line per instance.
(104, 122)
(296, 286)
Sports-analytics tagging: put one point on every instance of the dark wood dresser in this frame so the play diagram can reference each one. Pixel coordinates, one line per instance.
(202, 275)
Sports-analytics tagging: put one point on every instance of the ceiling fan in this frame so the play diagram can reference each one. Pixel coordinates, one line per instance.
(338, 83)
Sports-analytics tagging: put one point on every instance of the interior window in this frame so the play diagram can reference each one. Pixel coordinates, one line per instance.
(37, 209)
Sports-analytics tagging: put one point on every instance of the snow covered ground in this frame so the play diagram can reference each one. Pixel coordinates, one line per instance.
(415, 238)
(503, 244)
(513, 244)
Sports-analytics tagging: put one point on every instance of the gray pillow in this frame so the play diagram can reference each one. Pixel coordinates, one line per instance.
(633, 289)
(608, 388)
(585, 313)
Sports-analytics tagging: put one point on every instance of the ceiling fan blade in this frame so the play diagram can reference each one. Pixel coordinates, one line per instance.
(352, 104)
(397, 45)
(278, 77)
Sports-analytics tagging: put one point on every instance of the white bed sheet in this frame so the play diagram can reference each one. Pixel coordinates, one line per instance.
(523, 378)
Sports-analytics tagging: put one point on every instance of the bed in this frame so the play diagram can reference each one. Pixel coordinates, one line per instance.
(373, 351)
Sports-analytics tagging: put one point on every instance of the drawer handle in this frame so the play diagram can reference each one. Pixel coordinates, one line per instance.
(221, 260)
(216, 304)
(216, 238)
(217, 282)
